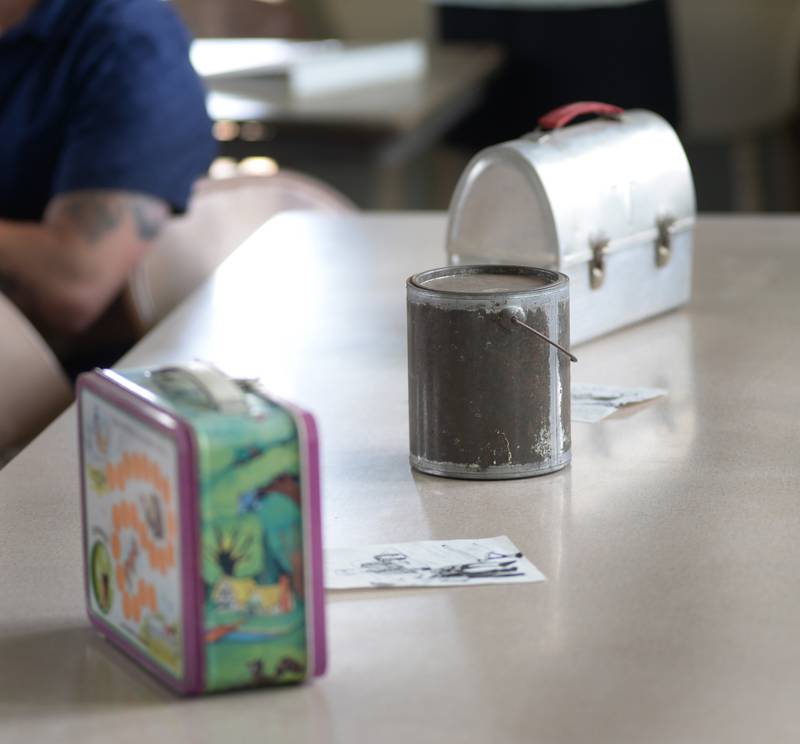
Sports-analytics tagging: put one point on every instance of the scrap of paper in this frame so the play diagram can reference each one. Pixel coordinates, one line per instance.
(491, 560)
(592, 403)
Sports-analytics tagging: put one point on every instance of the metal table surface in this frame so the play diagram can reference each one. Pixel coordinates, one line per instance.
(671, 610)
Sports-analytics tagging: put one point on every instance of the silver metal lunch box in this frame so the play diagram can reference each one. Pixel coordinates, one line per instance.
(609, 202)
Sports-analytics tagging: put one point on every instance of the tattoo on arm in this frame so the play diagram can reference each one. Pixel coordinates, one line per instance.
(96, 214)
(149, 216)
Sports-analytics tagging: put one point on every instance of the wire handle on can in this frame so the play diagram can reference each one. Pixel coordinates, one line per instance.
(515, 315)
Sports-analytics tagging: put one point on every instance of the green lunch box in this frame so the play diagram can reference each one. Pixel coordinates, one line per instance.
(201, 527)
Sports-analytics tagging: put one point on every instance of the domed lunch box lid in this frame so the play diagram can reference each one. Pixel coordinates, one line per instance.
(552, 196)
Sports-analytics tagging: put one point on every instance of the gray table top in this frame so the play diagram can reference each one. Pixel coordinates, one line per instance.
(453, 79)
(670, 544)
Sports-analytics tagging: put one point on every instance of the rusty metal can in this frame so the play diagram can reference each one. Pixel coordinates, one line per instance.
(489, 371)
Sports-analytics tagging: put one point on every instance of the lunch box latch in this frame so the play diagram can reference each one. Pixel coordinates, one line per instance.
(664, 241)
(597, 265)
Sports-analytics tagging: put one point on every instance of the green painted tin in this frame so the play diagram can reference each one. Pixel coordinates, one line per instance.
(202, 527)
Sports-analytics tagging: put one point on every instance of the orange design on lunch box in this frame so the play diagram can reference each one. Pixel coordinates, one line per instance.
(153, 526)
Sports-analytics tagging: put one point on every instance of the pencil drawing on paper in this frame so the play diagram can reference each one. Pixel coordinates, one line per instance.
(430, 563)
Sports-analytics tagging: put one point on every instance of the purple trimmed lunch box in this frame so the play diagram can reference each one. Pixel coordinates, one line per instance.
(202, 527)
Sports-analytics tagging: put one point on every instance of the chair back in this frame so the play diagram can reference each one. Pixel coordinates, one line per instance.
(222, 214)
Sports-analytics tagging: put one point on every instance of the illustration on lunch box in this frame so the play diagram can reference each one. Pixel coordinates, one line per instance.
(609, 202)
(202, 531)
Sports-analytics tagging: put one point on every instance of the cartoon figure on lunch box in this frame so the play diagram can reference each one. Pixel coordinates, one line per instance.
(131, 488)
(253, 574)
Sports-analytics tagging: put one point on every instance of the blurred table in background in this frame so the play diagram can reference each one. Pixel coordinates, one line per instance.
(363, 141)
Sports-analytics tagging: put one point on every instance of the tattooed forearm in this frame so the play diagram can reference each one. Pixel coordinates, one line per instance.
(70, 266)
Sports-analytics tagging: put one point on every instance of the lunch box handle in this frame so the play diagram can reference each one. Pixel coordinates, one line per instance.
(222, 391)
(563, 115)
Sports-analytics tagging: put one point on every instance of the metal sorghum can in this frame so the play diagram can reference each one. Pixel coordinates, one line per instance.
(489, 371)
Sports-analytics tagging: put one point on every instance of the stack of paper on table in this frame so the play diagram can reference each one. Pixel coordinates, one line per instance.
(309, 68)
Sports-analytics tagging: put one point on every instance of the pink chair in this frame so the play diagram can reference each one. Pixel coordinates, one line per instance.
(222, 214)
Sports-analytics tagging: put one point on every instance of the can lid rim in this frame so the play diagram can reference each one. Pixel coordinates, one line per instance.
(555, 280)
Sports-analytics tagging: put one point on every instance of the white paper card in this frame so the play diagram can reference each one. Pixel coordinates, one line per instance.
(592, 403)
(491, 560)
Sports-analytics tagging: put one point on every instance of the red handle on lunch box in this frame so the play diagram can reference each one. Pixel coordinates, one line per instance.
(563, 115)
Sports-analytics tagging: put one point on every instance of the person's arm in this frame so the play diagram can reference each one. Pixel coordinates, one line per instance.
(64, 271)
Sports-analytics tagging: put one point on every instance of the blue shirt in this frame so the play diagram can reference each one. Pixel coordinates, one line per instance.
(99, 94)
